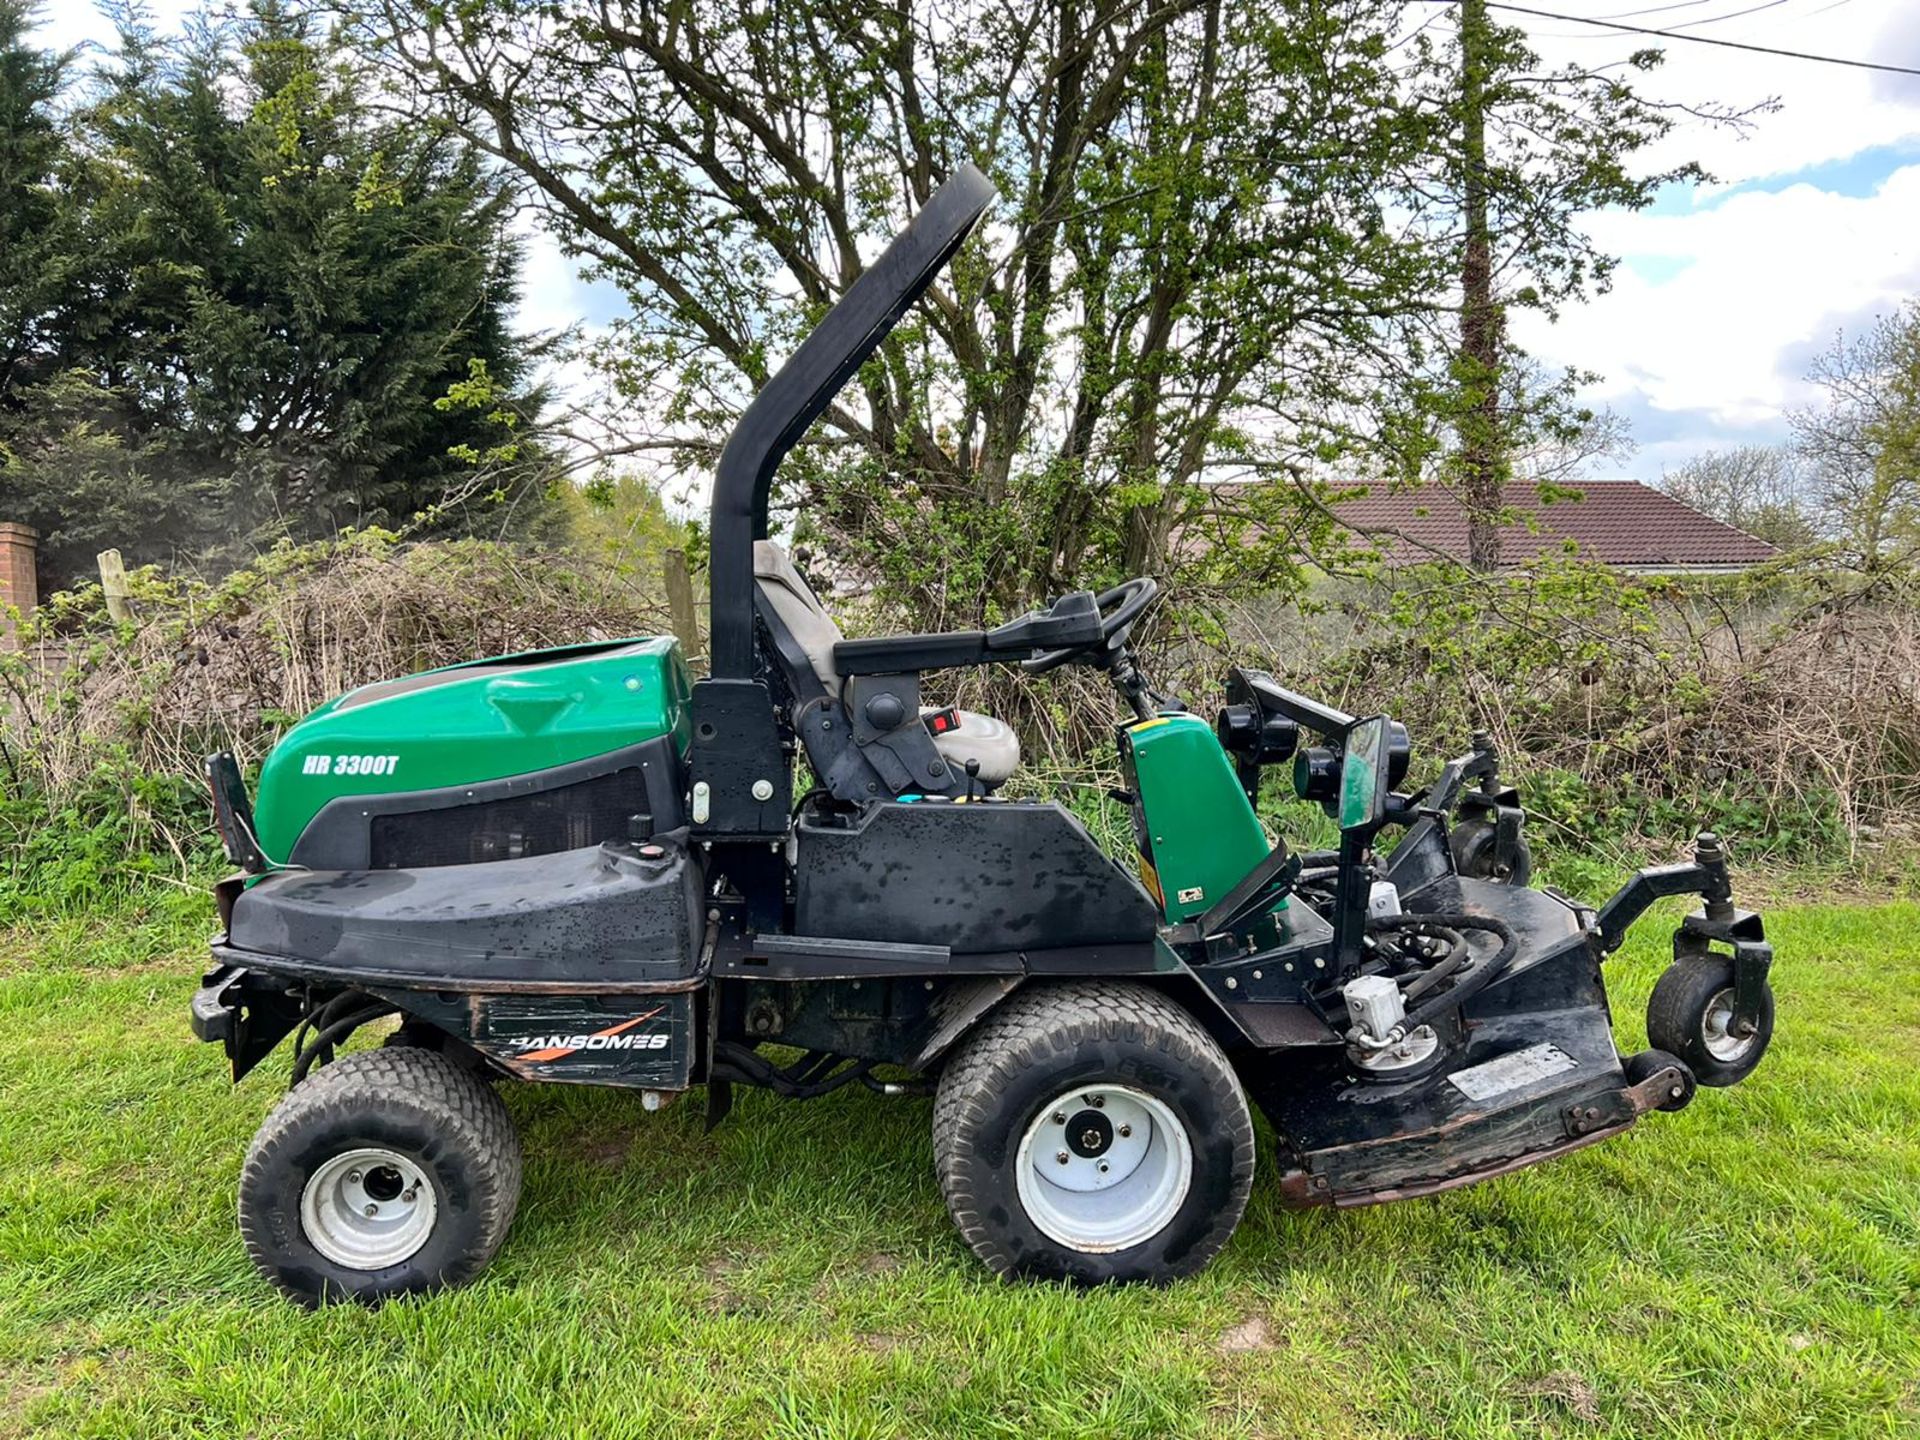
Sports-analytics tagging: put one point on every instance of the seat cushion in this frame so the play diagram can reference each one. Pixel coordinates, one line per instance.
(983, 738)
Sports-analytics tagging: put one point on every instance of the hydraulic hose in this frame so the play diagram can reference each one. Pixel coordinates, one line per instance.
(1477, 979)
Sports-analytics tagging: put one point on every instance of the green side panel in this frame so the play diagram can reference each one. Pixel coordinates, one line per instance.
(484, 720)
(1202, 836)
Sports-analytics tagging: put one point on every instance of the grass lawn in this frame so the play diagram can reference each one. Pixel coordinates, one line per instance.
(1748, 1268)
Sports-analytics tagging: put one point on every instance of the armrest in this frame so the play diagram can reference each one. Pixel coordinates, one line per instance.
(1072, 620)
(902, 654)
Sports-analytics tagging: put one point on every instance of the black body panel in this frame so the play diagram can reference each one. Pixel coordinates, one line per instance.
(613, 914)
(565, 807)
(646, 1041)
(979, 878)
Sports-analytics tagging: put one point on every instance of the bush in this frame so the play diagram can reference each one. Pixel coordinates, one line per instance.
(105, 723)
(1782, 705)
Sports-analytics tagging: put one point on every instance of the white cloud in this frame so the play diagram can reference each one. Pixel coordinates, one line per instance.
(1705, 335)
(1746, 283)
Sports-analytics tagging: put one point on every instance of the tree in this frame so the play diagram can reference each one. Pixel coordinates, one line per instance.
(268, 289)
(1226, 248)
(1198, 269)
(1756, 488)
(1861, 439)
(35, 238)
(1520, 155)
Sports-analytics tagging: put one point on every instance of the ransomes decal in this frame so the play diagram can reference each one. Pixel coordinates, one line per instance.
(614, 1037)
(349, 764)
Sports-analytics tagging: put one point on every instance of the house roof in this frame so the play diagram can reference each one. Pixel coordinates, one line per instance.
(1620, 522)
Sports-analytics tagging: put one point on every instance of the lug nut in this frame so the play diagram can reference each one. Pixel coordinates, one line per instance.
(1125, 1131)
(1103, 1167)
(353, 1177)
(1059, 1117)
(1061, 1157)
(373, 1209)
(1097, 1101)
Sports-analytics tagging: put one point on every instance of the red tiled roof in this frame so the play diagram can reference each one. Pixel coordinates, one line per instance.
(1621, 522)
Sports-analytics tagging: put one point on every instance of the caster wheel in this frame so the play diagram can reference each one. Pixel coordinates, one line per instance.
(389, 1172)
(1093, 1133)
(1472, 846)
(1648, 1063)
(1691, 1015)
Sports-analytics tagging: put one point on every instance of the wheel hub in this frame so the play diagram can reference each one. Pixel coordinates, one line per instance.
(368, 1208)
(1089, 1134)
(1102, 1169)
(1725, 1040)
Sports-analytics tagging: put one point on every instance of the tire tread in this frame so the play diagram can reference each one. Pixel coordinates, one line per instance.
(1048, 1022)
(451, 1098)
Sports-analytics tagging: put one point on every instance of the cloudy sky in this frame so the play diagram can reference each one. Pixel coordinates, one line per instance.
(1812, 224)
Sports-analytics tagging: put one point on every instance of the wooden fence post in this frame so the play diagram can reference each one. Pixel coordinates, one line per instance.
(113, 585)
(686, 620)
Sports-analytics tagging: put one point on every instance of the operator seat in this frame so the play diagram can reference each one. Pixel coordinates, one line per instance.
(786, 598)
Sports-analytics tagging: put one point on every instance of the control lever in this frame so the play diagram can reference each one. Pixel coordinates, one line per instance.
(973, 777)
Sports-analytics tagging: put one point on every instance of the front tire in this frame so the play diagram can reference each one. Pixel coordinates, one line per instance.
(389, 1172)
(1150, 1116)
(1690, 1014)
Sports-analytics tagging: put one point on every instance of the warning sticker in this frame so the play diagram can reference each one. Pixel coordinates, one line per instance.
(1510, 1072)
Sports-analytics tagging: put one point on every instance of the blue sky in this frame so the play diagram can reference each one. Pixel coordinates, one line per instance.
(1811, 225)
(1725, 291)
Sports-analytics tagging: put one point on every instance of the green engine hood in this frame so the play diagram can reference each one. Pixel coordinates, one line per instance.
(484, 720)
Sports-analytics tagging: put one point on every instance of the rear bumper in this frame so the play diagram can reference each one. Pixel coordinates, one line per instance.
(245, 1012)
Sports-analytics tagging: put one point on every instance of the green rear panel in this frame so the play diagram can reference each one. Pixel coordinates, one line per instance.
(1201, 834)
(484, 720)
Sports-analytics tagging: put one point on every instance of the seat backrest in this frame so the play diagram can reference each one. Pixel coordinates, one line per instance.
(787, 598)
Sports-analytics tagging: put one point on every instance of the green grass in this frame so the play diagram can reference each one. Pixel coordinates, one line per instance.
(1750, 1267)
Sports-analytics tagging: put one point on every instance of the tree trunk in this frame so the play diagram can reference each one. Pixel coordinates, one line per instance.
(1482, 321)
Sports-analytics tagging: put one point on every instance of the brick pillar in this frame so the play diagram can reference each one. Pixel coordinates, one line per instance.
(19, 587)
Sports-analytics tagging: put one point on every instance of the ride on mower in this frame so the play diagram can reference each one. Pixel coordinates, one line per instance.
(578, 865)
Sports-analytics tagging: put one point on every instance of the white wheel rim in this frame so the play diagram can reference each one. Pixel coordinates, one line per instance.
(1128, 1166)
(1716, 1028)
(368, 1209)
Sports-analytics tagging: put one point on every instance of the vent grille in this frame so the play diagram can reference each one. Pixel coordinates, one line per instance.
(570, 817)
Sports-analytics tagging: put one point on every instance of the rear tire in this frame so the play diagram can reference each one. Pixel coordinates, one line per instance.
(389, 1172)
(1690, 1012)
(1151, 1117)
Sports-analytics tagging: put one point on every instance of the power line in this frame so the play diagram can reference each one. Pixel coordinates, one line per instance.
(1700, 39)
(1733, 15)
(1656, 10)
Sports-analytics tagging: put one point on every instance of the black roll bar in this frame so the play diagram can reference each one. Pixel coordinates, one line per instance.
(793, 399)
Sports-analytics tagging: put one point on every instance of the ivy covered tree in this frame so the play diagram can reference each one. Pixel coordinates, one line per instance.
(1519, 154)
(1196, 271)
(273, 312)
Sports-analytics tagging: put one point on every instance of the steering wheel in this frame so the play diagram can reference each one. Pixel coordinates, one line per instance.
(1119, 608)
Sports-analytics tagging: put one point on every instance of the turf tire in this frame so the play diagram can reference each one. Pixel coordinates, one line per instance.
(1677, 1019)
(1018, 1060)
(415, 1102)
